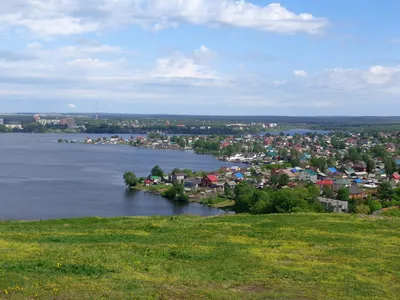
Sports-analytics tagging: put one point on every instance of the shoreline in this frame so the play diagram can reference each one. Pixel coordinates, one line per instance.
(226, 203)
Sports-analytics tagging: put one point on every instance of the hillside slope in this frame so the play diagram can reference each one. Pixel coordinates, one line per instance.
(303, 256)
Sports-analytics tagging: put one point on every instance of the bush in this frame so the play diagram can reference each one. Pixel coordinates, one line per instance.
(182, 197)
(374, 205)
(362, 209)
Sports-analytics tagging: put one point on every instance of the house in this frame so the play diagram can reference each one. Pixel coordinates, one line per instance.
(178, 177)
(308, 175)
(230, 185)
(396, 177)
(209, 180)
(235, 169)
(192, 183)
(332, 170)
(287, 172)
(333, 205)
(325, 182)
(360, 167)
(238, 177)
(148, 182)
(349, 171)
(219, 186)
(356, 192)
(155, 179)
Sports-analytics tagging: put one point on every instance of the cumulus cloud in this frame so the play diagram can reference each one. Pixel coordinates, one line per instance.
(180, 66)
(60, 17)
(71, 106)
(300, 73)
(97, 72)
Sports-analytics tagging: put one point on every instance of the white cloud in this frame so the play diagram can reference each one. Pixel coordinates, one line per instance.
(62, 17)
(180, 66)
(34, 46)
(279, 82)
(300, 73)
(71, 106)
(87, 63)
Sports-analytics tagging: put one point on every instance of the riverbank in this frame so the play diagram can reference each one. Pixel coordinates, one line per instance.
(296, 256)
(214, 201)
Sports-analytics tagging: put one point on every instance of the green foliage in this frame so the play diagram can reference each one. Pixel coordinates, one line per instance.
(157, 171)
(180, 140)
(343, 194)
(228, 191)
(385, 191)
(327, 192)
(370, 165)
(204, 146)
(313, 191)
(249, 199)
(182, 197)
(283, 180)
(379, 151)
(130, 179)
(176, 192)
(363, 209)
(374, 205)
(319, 162)
(390, 165)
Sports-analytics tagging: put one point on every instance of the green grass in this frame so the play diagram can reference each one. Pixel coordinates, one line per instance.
(303, 256)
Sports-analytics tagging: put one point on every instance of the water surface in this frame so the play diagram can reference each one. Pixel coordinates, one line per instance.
(42, 179)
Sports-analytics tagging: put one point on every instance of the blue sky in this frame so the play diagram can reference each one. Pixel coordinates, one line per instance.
(220, 57)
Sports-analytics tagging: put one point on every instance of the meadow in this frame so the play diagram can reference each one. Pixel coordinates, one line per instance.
(299, 256)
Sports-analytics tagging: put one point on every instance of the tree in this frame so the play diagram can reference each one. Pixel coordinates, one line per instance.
(343, 194)
(319, 162)
(274, 180)
(130, 179)
(286, 201)
(390, 165)
(374, 205)
(176, 192)
(157, 171)
(182, 197)
(385, 191)
(313, 191)
(370, 165)
(228, 191)
(243, 193)
(327, 192)
(257, 148)
(283, 180)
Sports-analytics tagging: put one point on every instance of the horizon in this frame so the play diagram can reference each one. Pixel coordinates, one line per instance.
(198, 115)
(203, 57)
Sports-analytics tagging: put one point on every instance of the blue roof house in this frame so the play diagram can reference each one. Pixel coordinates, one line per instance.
(238, 176)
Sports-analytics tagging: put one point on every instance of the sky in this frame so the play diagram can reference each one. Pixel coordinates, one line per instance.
(200, 57)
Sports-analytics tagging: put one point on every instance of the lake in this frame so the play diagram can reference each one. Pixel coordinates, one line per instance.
(42, 179)
(298, 131)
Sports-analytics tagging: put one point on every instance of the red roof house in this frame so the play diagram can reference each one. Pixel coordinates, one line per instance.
(148, 182)
(324, 182)
(396, 176)
(209, 180)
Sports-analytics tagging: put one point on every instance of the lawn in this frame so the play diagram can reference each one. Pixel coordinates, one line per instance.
(301, 256)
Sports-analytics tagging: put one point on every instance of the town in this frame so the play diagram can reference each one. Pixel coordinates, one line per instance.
(352, 172)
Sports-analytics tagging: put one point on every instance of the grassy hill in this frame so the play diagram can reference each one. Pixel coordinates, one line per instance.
(303, 256)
